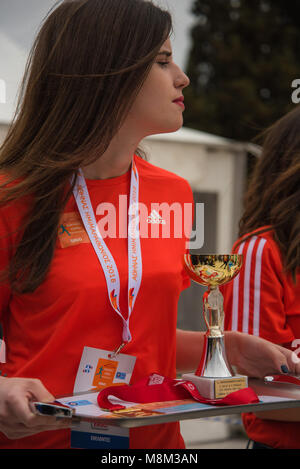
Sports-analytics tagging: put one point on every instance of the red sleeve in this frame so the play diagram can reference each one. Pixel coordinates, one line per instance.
(254, 301)
(5, 291)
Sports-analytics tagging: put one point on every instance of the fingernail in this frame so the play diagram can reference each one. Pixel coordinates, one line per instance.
(284, 369)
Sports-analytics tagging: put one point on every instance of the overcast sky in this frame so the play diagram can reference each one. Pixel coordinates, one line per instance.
(20, 20)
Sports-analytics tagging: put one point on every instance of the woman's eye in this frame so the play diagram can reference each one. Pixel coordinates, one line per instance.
(163, 64)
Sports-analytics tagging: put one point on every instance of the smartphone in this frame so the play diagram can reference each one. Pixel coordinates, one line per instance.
(56, 409)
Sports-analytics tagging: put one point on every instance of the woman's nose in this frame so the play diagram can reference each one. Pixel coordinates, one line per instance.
(182, 80)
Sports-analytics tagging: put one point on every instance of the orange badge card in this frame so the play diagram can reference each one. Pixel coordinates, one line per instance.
(71, 230)
(105, 373)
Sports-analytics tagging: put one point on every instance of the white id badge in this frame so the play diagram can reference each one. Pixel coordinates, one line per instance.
(97, 370)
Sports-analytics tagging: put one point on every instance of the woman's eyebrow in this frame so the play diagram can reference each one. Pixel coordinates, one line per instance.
(165, 52)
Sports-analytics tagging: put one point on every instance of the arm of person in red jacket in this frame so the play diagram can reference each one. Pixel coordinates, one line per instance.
(253, 356)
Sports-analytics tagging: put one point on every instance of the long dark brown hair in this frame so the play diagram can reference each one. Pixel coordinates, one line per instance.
(273, 196)
(86, 67)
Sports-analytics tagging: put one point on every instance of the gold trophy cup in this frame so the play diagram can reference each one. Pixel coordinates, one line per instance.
(214, 377)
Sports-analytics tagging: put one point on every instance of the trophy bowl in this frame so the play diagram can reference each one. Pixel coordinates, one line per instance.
(212, 270)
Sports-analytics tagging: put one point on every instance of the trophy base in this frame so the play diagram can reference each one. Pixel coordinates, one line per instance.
(216, 388)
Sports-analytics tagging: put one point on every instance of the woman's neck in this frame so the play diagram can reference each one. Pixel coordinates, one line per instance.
(106, 169)
(115, 161)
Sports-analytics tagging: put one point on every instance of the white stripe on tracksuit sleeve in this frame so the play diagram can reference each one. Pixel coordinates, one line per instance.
(236, 307)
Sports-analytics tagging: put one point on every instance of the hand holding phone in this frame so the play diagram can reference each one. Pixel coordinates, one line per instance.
(19, 418)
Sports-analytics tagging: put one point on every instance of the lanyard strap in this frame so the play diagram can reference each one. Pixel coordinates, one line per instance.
(157, 388)
(104, 255)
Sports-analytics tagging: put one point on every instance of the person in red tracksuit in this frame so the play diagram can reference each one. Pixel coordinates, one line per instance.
(264, 299)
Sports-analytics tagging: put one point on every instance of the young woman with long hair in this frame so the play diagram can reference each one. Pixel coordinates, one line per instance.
(264, 300)
(99, 79)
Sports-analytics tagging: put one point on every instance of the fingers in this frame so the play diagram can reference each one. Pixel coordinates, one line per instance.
(25, 423)
(18, 396)
(290, 361)
(22, 413)
(257, 357)
(17, 419)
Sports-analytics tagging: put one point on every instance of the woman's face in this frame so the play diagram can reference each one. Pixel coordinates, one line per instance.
(159, 105)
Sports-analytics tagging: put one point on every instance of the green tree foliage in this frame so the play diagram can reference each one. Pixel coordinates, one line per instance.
(244, 57)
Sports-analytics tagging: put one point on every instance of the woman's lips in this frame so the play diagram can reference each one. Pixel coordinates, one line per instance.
(180, 102)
